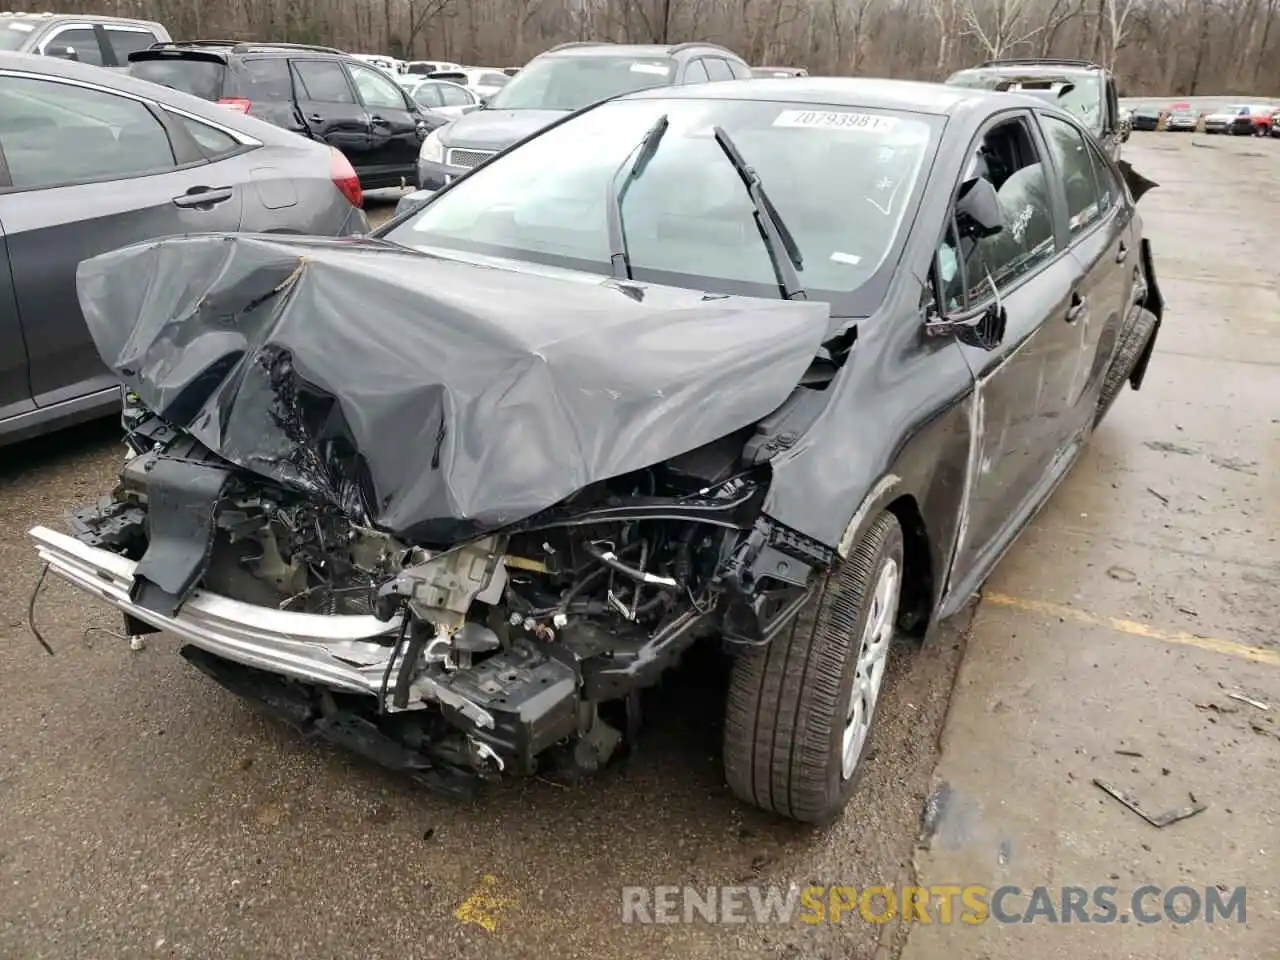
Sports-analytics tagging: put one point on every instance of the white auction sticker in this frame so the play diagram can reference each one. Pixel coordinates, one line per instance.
(21, 27)
(657, 69)
(835, 120)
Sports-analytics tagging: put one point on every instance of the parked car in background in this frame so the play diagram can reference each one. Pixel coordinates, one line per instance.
(425, 68)
(390, 64)
(1145, 118)
(778, 72)
(485, 81)
(97, 160)
(1086, 90)
(778, 370)
(510, 71)
(319, 92)
(1240, 119)
(554, 84)
(100, 41)
(443, 97)
(1182, 120)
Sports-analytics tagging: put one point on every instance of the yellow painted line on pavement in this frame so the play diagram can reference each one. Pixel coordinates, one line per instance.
(484, 904)
(1231, 648)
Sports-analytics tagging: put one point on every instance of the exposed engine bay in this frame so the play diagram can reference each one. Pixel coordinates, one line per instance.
(496, 654)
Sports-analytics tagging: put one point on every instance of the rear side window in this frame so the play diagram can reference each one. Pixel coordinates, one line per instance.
(696, 73)
(268, 79)
(1075, 168)
(80, 39)
(455, 96)
(323, 81)
(214, 144)
(125, 42)
(428, 94)
(740, 70)
(717, 69)
(57, 133)
(198, 77)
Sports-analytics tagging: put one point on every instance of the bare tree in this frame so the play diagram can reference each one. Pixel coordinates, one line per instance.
(1000, 25)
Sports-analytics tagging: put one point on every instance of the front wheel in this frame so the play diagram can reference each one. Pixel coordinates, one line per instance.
(799, 712)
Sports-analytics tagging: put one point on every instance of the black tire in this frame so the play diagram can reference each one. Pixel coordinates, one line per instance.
(1133, 340)
(789, 703)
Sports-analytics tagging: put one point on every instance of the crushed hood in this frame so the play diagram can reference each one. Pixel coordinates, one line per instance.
(429, 397)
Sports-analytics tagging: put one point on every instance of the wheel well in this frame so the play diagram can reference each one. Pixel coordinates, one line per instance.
(917, 578)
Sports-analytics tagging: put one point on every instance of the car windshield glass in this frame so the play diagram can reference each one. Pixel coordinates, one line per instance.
(201, 78)
(568, 83)
(842, 179)
(15, 34)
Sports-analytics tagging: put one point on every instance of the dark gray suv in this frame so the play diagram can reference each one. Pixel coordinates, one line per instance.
(555, 83)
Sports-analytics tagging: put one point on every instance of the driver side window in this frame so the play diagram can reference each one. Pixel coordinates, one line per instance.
(972, 267)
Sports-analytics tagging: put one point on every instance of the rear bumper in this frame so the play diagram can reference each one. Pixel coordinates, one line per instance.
(341, 652)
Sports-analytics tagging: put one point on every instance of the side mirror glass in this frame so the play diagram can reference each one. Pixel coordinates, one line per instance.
(978, 211)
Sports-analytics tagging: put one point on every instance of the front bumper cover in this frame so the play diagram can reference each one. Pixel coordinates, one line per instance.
(342, 652)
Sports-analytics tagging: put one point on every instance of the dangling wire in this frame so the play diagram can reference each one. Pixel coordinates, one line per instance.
(31, 612)
(391, 659)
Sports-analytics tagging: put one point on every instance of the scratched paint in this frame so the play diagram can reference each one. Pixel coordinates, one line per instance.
(1136, 628)
(484, 905)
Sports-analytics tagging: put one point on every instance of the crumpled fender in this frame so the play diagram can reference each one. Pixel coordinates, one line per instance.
(1138, 184)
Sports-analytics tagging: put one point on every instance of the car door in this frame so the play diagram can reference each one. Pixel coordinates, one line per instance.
(330, 109)
(1025, 272)
(15, 384)
(1098, 234)
(395, 128)
(86, 170)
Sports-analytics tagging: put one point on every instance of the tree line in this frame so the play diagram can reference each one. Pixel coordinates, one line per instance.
(1155, 47)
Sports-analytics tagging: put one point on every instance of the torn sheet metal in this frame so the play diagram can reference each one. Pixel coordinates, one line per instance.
(429, 397)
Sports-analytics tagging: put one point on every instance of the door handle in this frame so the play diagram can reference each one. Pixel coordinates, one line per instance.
(316, 118)
(376, 119)
(1079, 307)
(1123, 253)
(203, 197)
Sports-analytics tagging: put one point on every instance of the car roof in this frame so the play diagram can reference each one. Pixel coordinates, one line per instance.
(59, 17)
(1034, 67)
(56, 67)
(603, 48)
(912, 96)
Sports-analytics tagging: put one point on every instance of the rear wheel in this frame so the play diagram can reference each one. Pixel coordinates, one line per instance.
(1133, 339)
(799, 712)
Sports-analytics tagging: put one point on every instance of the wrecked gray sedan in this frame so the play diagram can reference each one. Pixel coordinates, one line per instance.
(780, 366)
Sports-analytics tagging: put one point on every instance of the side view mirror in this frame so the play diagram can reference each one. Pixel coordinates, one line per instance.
(62, 53)
(983, 327)
(978, 210)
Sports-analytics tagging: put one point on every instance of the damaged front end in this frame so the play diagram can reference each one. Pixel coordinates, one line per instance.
(462, 538)
(503, 653)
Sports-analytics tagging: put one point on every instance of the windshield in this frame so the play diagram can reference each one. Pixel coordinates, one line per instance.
(15, 34)
(569, 83)
(842, 181)
(1083, 101)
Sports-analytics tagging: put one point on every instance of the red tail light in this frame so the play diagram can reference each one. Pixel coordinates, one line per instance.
(238, 104)
(344, 177)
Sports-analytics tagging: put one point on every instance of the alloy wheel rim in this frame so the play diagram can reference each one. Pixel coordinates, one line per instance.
(869, 668)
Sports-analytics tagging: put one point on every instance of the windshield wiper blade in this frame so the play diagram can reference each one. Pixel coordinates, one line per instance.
(628, 172)
(773, 231)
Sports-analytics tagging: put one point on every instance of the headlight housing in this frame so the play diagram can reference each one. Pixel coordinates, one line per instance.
(432, 149)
